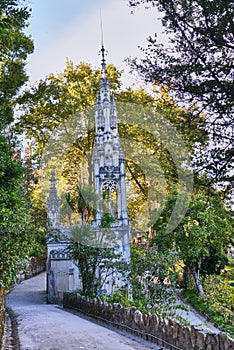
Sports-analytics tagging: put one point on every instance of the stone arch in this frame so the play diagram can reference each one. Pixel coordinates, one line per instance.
(110, 191)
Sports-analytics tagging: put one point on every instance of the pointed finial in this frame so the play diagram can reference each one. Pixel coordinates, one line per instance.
(103, 61)
(103, 51)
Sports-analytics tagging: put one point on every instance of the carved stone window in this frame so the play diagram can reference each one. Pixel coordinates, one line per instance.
(110, 185)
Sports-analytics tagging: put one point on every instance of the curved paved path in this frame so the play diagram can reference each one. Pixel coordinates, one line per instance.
(49, 327)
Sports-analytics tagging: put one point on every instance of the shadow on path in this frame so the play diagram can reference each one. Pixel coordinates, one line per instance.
(43, 326)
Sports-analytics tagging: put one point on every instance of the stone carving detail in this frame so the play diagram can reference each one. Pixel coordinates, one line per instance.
(53, 204)
(110, 185)
(60, 254)
(108, 161)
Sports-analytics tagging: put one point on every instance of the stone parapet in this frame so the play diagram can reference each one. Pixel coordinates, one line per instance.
(163, 332)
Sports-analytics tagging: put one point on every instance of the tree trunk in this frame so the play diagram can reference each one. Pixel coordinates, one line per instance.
(197, 281)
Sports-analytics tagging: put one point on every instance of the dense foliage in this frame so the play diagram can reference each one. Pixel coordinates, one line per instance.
(14, 48)
(59, 119)
(153, 277)
(197, 68)
(197, 65)
(19, 230)
(59, 97)
(201, 238)
(218, 303)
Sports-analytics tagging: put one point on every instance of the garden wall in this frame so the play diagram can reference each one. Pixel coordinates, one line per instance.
(163, 332)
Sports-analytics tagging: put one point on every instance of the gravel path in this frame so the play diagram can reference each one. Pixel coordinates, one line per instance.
(39, 326)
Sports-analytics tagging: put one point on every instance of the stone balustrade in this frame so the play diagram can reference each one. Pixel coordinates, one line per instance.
(166, 333)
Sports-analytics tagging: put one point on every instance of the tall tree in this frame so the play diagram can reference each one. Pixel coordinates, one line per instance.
(59, 119)
(14, 48)
(59, 97)
(203, 235)
(197, 65)
(18, 233)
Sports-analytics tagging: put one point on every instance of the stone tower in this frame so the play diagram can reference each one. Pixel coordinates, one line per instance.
(109, 162)
(53, 204)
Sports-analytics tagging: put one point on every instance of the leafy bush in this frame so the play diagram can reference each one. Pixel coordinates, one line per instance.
(155, 304)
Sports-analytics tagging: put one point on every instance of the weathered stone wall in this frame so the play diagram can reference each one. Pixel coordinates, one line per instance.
(163, 332)
(2, 314)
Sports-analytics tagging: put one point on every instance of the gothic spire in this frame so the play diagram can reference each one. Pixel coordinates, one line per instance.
(103, 53)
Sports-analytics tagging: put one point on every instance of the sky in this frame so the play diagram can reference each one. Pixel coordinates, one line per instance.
(70, 29)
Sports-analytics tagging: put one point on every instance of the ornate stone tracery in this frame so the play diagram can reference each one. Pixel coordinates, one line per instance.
(110, 185)
(109, 161)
